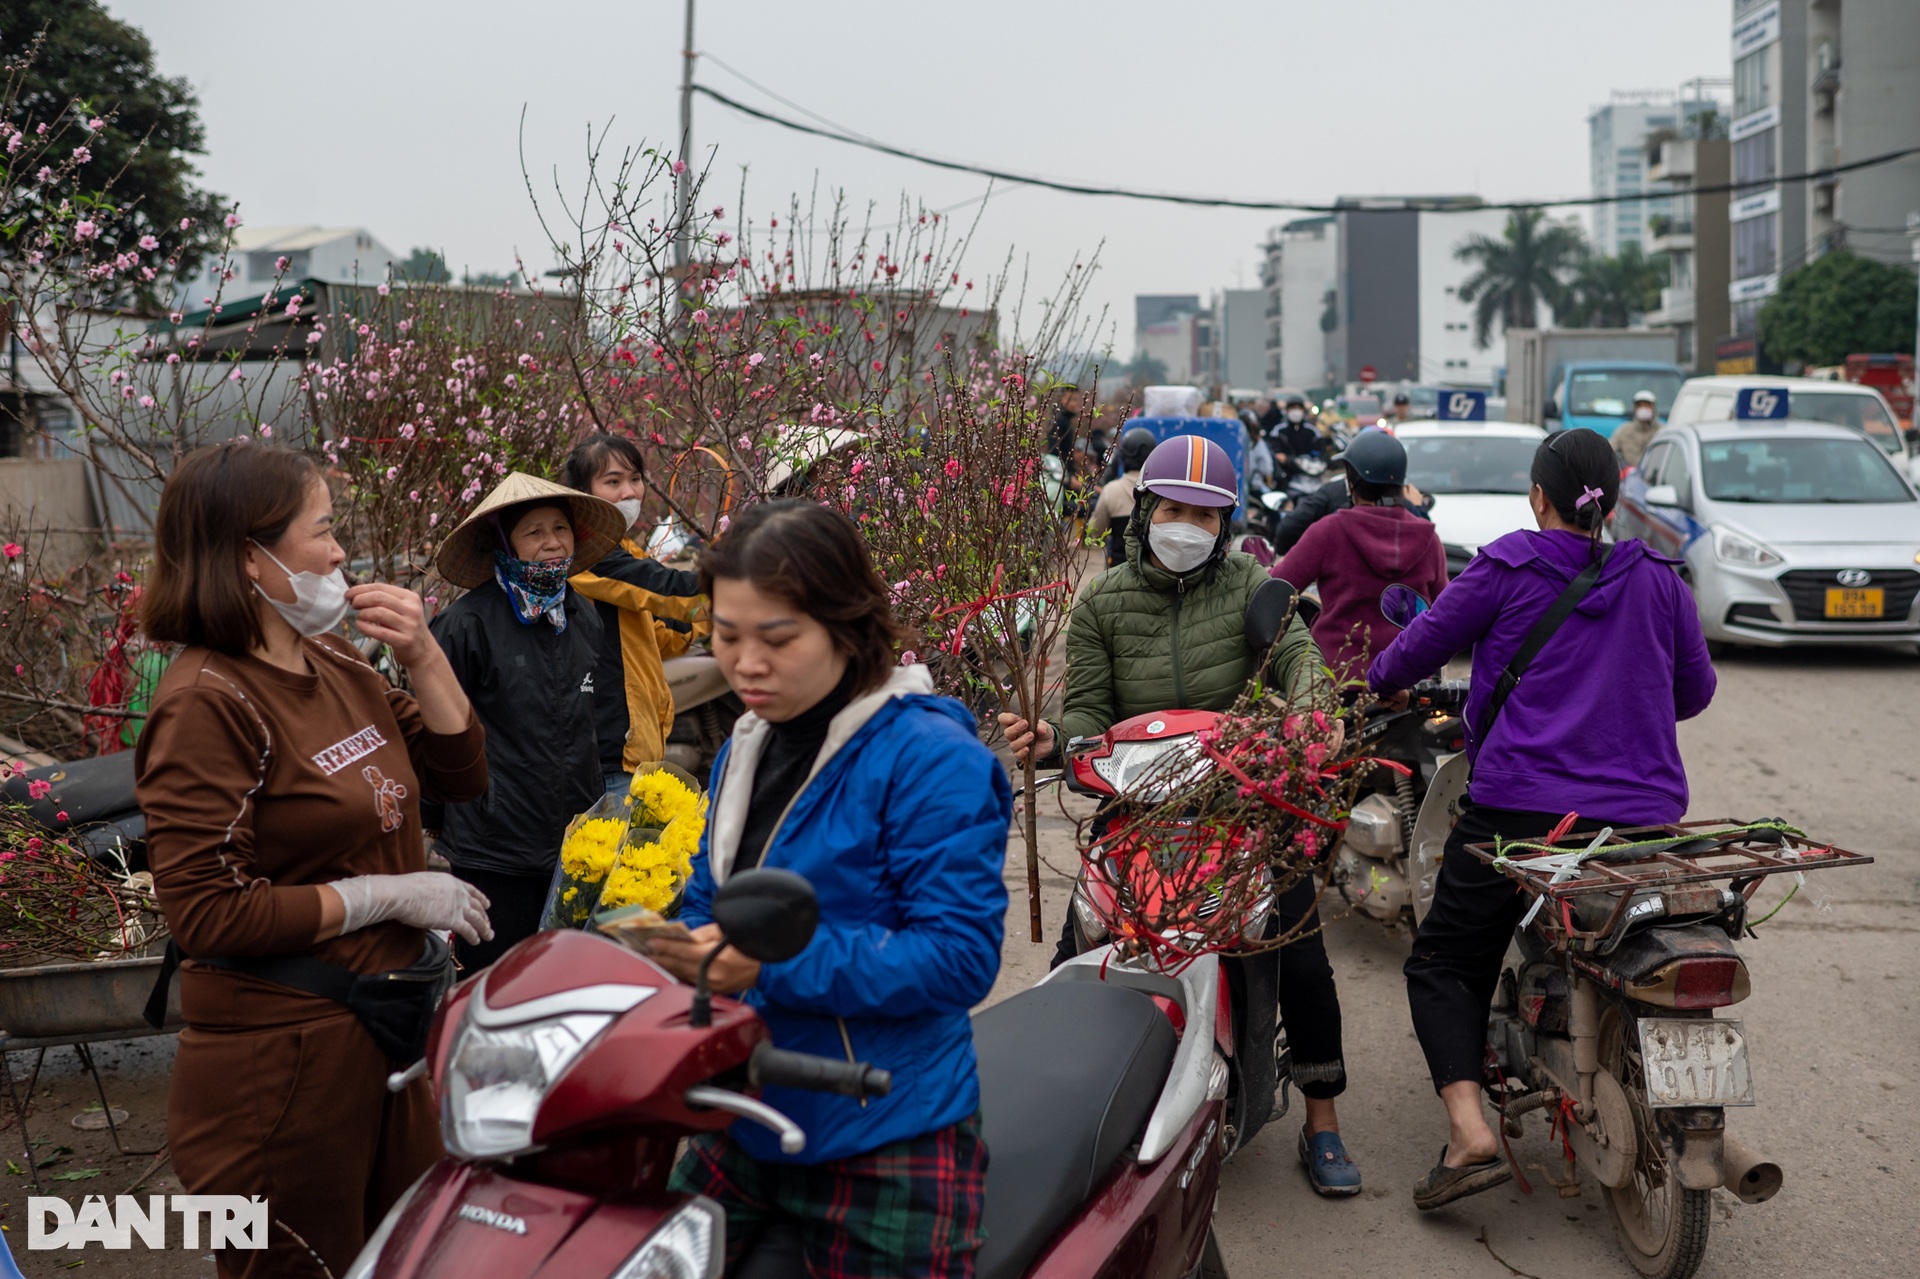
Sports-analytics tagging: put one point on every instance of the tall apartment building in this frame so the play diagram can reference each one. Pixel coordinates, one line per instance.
(1863, 99)
(1398, 286)
(1163, 329)
(1234, 327)
(1768, 224)
(1694, 238)
(1617, 136)
(1300, 274)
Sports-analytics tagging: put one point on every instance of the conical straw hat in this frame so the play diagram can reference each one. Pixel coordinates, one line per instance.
(466, 556)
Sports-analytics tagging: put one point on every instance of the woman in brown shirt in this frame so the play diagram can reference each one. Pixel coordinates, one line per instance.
(281, 777)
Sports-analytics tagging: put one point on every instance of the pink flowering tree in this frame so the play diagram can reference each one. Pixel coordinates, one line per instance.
(427, 397)
(779, 330)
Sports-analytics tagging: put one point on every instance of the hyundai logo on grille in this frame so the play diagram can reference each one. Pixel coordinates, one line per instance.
(1853, 577)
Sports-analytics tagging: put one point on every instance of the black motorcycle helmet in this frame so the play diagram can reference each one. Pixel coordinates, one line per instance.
(1375, 457)
(1135, 447)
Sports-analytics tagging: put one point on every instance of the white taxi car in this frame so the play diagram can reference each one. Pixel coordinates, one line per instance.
(1478, 474)
(1790, 531)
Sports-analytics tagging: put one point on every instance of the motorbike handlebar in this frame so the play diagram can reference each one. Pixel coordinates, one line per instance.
(1441, 692)
(780, 1068)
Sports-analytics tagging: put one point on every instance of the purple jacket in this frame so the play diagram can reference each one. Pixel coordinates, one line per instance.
(1590, 728)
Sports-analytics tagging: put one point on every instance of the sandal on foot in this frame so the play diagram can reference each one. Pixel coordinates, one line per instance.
(1331, 1171)
(1443, 1185)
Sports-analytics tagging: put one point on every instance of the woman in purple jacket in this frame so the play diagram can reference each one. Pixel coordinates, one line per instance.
(1590, 729)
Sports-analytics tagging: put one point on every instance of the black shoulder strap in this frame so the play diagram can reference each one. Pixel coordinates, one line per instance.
(1558, 612)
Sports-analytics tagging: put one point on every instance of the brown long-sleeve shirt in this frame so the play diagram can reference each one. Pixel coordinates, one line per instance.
(259, 785)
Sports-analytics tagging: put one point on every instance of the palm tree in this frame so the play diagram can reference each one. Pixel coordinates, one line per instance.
(1611, 293)
(1517, 272)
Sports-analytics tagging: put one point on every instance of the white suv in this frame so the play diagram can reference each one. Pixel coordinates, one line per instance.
(1711, 399)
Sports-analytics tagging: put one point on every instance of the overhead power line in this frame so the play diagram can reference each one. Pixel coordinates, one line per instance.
(1385, 204)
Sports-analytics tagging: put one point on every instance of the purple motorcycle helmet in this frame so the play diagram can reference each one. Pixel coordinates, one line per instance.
(1192, 470)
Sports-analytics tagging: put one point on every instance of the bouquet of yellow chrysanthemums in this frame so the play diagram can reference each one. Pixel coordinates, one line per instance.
(634, 849)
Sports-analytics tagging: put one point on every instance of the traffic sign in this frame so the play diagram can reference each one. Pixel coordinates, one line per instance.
(1367, 374)
(1761, 403)
(1462, 406)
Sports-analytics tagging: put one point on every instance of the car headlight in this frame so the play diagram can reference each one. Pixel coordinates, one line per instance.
(1730, 547)
(691, 1244)
(1131, 762)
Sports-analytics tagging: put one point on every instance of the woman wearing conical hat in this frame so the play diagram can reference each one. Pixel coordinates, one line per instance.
(523, 645)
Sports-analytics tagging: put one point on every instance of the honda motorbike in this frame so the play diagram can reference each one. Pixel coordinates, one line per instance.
(1113, 767)
(569, 1072)
(1604, 1020)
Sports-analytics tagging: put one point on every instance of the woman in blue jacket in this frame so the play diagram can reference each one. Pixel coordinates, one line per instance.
(847, 770)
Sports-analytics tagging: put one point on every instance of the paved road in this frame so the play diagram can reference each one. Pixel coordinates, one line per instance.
(1826, 739)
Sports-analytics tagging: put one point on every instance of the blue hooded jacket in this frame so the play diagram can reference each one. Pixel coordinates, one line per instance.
(902, 831)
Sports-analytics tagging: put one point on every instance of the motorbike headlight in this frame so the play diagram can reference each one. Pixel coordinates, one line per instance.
(1730, 547)
(1131, 762)
(1092, 927)
(497, 1077)
(691, 1244)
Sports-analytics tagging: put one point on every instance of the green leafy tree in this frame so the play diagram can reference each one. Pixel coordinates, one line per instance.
(423, 266)
(91, 65)
(1145, 370)
(1613, 292)
(1518, 272)
(486, 280)
(1839, 304)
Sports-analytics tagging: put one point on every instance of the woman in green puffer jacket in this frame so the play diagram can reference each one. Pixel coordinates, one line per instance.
(1165, 631)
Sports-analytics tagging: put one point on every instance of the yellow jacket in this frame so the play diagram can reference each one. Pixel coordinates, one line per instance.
(648, 597)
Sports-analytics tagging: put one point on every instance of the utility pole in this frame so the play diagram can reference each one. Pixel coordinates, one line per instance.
(683, 181)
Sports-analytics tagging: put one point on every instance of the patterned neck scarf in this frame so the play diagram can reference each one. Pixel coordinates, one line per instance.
(536, 588)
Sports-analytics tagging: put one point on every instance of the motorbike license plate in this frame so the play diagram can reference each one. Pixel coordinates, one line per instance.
(1856, 602)
(1695, 1062)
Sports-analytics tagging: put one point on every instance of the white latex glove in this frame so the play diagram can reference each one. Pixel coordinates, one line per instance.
(425, 899)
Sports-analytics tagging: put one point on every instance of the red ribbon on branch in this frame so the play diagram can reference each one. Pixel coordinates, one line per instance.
(974, 608)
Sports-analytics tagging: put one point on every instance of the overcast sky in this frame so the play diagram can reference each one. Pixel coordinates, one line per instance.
(403, 116)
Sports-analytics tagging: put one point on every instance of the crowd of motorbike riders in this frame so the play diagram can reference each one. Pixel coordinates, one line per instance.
(291, 793)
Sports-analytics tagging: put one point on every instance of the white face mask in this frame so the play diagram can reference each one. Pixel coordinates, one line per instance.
(1296, 416)
(1644, 412)
(319, 599)
(629, 510)
(1179, 546)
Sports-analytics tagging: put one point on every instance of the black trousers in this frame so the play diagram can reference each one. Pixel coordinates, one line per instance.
(514, 906)
(1309, 1000)
(1455, 965)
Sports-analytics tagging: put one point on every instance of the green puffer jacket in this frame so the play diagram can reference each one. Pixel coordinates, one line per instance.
(1141, 639)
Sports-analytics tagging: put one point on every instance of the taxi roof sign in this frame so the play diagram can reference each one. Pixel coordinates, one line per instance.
(1760, 403)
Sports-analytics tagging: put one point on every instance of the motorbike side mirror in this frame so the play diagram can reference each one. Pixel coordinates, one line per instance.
(1269, 610)
(767, 915)
(1400, 604)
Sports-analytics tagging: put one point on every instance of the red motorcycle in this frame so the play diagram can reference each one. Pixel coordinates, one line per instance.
(569, 1072)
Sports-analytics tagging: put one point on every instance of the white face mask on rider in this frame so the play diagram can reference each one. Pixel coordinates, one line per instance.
(1643, 412)
(1296, 416)
(319, 599)
(1180, 547)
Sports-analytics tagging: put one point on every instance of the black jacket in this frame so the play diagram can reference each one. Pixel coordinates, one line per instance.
(1325, 500)
(1296, 442)
(532, 689)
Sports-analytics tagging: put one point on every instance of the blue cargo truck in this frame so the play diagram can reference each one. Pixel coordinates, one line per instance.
(1564, 378)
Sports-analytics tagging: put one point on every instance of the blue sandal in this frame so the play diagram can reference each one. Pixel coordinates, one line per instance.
(1328, 1166)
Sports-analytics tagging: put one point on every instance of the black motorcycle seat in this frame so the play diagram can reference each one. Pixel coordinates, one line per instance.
(1069, 1073)
(86, 790)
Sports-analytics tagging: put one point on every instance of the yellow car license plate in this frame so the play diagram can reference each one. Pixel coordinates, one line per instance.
(1856, 601)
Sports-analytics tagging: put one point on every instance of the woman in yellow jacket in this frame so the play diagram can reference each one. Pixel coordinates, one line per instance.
(648, 612)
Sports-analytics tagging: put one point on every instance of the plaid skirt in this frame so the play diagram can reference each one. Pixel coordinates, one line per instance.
(909, 1210)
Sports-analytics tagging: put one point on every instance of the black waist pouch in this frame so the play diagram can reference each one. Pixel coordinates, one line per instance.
(395, 1007)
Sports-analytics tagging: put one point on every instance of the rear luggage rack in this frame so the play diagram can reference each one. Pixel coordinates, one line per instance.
(1676, 861)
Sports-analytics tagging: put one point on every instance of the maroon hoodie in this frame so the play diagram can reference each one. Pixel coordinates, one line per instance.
(1355, 554)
